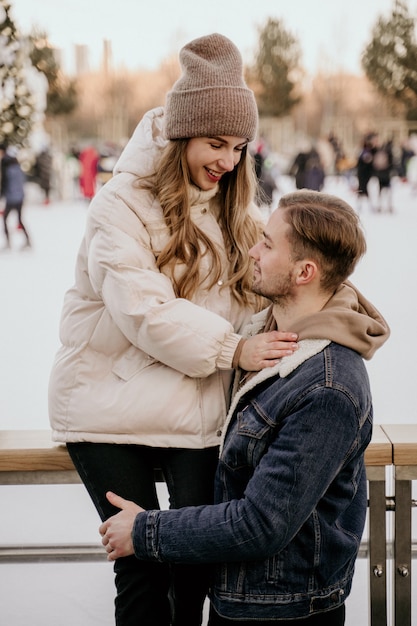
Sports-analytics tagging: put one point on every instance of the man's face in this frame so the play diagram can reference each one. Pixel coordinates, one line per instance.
(274, 271)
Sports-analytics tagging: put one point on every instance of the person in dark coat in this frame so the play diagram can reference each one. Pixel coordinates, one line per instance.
(43, 170)
(298, 169)
(314, 171)
(266, 181)
(308, 170)
(364, 167)
(12, 190)
(383, 168)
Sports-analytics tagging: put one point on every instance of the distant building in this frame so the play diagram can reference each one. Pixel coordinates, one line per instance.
(82, 65)
(107, 59)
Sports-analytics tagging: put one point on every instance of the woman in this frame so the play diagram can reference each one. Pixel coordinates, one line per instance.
(150, 329)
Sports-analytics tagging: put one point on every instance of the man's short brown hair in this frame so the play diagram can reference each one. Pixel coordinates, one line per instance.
(327, 229)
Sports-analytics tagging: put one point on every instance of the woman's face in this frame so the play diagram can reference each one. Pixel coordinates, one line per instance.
(209, 158)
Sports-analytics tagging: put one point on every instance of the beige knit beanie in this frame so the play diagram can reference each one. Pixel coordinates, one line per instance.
(211, 98)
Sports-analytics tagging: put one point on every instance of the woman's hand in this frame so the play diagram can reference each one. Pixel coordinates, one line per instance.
(266, 349)
(116, 532)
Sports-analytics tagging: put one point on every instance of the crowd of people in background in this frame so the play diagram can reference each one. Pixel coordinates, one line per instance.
(84, 170)
(79, 174)
(369, 173)
(76, 175)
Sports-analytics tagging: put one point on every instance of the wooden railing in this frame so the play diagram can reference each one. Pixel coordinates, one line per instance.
(30, 457)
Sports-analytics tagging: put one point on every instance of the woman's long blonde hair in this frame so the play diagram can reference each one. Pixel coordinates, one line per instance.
(188, 243)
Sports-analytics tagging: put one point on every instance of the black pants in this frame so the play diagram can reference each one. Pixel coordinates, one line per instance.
(16, 206)
(336, 617)
(150, 594)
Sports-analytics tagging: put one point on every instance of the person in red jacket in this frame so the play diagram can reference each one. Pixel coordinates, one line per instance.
(88, 158)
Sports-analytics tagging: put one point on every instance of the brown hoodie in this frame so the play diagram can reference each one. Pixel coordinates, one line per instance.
(347, 318)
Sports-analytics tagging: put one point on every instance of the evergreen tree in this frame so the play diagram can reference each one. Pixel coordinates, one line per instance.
(276, 69)
(16, 102)
(61, 97)
(390, 58)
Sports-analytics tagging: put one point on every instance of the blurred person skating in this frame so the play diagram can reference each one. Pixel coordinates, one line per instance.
(364, 170)
(43, 173)
(71, 169)
(150, 330)
(383, 170)
(411, 173)
(407, 153)
(13, 191)
(291, 493)
(298, 166)
(308, 169)
(314, 175)
(89, 159)
(267, 184)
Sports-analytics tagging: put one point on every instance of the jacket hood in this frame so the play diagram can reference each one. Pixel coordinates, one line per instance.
(143, 150)
(348, 318)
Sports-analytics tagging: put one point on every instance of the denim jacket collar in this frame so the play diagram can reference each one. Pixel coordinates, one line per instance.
(306, 349)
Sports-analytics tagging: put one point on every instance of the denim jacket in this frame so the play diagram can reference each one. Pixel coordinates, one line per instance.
(291, 491)
(290, 488)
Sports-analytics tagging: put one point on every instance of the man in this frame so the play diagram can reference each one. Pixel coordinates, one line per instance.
(291, 485)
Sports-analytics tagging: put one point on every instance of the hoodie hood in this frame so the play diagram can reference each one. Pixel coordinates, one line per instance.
(348, 318)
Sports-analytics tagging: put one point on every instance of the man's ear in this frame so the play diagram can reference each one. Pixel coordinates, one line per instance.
(307, 272)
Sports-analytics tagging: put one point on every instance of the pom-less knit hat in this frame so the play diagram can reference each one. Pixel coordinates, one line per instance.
(211, 98)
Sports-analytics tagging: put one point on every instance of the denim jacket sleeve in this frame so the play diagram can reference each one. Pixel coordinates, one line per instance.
(287, 470)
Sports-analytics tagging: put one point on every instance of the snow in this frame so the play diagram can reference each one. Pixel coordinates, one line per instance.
(33, 283)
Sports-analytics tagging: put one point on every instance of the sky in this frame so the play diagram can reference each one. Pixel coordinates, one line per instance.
(332, 33)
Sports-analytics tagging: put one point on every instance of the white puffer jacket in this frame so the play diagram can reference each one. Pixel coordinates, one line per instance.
(138, 365)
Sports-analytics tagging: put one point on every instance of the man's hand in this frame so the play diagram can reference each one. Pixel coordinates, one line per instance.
(117, 530)
(265, 349)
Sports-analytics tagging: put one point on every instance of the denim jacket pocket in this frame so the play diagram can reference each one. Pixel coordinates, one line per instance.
(252, 423)
(252, 435)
